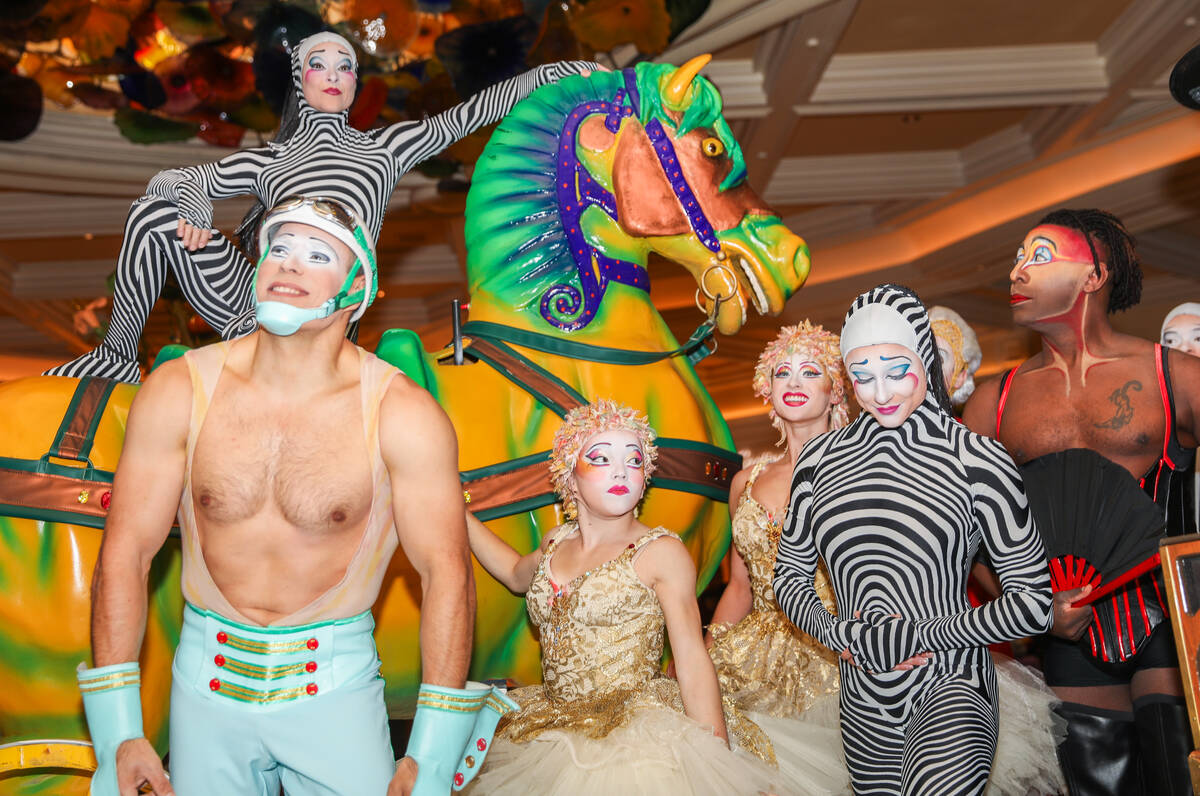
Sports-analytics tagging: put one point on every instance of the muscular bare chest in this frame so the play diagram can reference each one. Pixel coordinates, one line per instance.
(304, 464)
(1118, 413)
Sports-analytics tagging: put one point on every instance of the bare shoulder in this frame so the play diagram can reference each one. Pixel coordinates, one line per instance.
(165, 398)
(409, 411)
(667, 559)
(738, 485)
(979, 414)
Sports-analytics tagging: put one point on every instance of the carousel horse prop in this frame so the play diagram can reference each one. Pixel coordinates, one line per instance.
(580, 183)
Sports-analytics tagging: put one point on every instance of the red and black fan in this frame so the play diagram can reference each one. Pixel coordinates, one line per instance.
(1099, 527)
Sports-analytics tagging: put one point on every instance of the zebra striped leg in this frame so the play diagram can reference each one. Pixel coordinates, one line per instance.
(951, 740)
(873, 743)
(215, 281)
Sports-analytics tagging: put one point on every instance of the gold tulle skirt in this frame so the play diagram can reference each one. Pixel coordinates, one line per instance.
(767, 665)
(598, 717)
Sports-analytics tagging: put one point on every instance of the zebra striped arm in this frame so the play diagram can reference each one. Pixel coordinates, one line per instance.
(413, 142)
(1002, 515)
(1012, 542)
(796, 565)
(192, 188)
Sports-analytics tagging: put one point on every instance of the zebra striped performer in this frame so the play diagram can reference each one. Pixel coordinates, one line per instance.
(898, 504)
(318, 154)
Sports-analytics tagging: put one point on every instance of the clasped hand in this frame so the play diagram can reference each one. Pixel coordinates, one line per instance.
(884, 642)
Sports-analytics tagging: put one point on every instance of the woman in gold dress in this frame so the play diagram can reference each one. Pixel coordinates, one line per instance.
(601, 589)
(785, 680)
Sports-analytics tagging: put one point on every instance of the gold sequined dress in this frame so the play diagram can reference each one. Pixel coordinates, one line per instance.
(606, 720)
(787, 682)
(764, 662)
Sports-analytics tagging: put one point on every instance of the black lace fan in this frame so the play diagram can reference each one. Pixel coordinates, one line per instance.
(1098, 525)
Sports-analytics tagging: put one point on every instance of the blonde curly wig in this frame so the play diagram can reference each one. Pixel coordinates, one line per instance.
(819, 345)
(581, 424)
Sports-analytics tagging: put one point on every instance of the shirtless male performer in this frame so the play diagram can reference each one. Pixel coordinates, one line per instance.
(296, 462)
(1137, 405)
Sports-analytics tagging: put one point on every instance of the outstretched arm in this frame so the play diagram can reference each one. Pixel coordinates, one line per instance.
(413, 142)
(420, 451)
(666, 566)
(501, 561)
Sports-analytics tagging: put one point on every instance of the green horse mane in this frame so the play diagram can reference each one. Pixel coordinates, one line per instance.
(515, 237)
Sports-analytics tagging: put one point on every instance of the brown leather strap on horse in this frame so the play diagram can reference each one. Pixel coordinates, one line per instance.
(524, 484)
(43, 489)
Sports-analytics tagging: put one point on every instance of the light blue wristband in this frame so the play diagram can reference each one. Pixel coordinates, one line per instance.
(443, 724)
(112, 701)
(497, 704)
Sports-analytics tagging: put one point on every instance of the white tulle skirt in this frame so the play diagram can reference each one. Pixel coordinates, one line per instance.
(1026, 761)
(659, 751)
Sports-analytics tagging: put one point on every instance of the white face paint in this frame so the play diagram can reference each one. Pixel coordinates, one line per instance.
(889, 381)
(304, 266)
(329, 79)
(610, 474)
(1183, 333)
(800, 388)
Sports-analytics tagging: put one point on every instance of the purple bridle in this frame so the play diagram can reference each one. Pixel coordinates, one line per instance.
(576, 191)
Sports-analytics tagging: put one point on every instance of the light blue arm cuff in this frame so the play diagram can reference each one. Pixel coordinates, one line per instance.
(451, 733)
(113, 704)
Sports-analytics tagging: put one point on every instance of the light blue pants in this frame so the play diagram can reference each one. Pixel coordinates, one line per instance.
(255, 708)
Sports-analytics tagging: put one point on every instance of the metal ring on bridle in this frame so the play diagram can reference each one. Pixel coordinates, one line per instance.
(731, 282)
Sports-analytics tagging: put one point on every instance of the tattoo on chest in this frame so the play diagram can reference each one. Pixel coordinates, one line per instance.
(1120, 398)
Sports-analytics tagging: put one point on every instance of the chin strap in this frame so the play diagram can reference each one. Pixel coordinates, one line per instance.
(280, 318)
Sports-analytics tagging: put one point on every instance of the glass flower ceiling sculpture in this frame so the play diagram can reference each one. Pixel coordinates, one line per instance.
(170, 70)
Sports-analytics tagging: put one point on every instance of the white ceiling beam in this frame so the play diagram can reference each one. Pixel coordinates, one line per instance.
(727, 22)
(1003, 149)
(24, 214)
(1036, 74)
(832, 221)
(791, 62)
(1137, 48)
(871, 177)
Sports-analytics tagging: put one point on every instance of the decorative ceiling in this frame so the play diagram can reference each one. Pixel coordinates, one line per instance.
(912, 141)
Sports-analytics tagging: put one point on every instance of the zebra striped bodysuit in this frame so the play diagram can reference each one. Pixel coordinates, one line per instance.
(324, 157)
(898, 515)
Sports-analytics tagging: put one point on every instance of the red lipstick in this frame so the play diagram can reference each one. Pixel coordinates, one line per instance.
(618, 490)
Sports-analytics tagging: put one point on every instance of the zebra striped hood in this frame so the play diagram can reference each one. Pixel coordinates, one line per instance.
(300, 52)
(894, 314)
